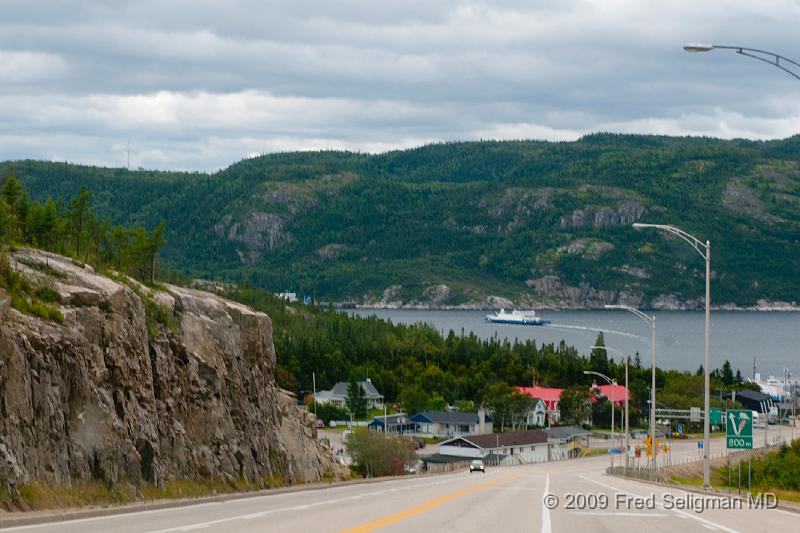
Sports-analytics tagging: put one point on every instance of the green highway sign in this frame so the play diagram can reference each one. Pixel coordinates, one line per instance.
(739, 429)
(716, 417)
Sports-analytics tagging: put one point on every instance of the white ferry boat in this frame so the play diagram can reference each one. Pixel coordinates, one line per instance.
(521, 318)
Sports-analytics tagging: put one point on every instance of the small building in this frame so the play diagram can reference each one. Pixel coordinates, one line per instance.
(515, 447)
(290, 297)
(338, 395)
(398, 424)
(452, 423)
(564, 442)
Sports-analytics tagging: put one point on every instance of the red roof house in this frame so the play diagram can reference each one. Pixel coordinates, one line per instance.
(549, 396)
(619, 392)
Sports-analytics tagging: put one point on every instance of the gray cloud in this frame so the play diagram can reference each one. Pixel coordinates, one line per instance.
(199, 84)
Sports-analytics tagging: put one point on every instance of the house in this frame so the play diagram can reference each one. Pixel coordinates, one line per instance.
(516, 447)
(338, 395)
(614, 393)
(290, 297)
(452, 423)
(537, 414)
(549, 396)
(564, 442)
(399, 424)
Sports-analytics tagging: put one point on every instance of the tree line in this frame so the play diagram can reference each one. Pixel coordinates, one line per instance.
(73, 228)
(417, 368)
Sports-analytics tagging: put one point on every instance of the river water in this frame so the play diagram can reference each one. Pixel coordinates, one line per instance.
(773, 339)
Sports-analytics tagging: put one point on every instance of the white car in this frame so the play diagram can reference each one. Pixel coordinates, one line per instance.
(476, 465)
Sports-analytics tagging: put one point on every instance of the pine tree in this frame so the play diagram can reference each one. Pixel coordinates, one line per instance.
(356, 401)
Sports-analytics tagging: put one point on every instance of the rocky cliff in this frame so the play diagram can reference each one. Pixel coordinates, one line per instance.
(141, 386)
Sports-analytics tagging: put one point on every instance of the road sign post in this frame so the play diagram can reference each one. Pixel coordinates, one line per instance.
(739, 429)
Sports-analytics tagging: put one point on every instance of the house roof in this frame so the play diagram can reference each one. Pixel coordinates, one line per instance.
(491, 441)
(752, 395)
(447, 417)
(619, 392)
(340, 389)
(392, 420)
(548, 395)
(566, 432)
(442, 458)
(324, 394)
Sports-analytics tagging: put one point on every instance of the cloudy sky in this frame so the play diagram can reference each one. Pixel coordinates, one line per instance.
(197, 85)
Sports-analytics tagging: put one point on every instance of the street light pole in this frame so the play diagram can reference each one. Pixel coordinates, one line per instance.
(705, 251)
(771, 58)
(627, 395)
(651, 320)
(612, 382)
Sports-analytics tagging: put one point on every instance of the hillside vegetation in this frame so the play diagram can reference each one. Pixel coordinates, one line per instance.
(449, 224)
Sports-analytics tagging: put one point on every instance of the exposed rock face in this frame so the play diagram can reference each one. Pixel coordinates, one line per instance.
(331, 251)
(588, 248)
(583, 295)
(94, 398)
(497, 302)
(437, 294)
(742, 201)
(260, 232)
(627, 212)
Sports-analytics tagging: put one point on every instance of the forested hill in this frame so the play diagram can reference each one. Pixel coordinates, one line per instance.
(450, 224)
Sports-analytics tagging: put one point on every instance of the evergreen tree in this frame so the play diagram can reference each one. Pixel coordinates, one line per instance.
(356, 401)
(79, 214)
(598, 359)
(726, 374)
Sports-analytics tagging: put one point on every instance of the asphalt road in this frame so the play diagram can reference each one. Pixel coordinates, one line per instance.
(505, 499)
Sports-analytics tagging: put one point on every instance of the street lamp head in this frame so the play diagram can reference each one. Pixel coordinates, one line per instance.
(694, 48)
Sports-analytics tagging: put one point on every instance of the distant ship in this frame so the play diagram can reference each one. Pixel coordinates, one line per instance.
(521, 318)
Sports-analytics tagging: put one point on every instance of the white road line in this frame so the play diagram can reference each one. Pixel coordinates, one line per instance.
(545, 511)
(63, 523)
(679, 512)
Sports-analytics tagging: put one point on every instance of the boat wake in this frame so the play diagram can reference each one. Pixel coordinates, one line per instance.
(604, 330)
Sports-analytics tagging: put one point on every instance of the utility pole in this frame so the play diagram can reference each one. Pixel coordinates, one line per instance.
(314, 381)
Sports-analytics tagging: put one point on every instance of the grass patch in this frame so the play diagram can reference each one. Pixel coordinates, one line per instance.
(35, 496)
(154, 313)
(24, 297)
(680, 480)
(591, 452)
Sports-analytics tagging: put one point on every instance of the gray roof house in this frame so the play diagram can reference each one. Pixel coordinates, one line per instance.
(452, 423)
(509, 448)
(565, 441)
(338, 395)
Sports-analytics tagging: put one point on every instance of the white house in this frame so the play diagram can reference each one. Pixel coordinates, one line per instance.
(338, 395)
(452, 423)
(537, 414)
(517, 447)
(549, 396)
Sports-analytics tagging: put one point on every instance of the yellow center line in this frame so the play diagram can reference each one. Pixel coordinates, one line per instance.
(427, 506)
